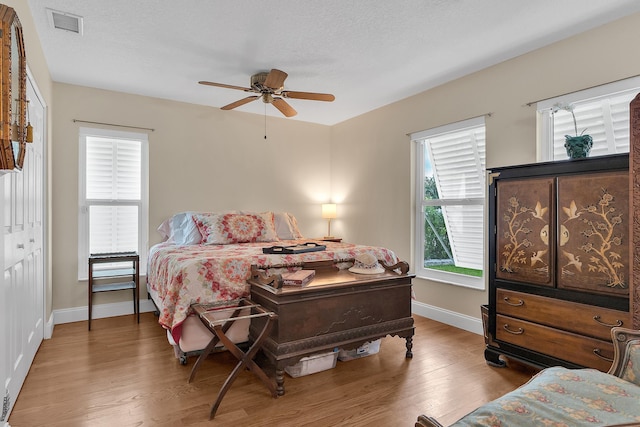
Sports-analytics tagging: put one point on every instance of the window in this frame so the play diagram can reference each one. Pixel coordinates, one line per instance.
(450, 189)
(113, 195)
(602, 112)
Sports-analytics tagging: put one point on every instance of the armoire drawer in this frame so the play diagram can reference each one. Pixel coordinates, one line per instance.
(584, 351)
(582, 319)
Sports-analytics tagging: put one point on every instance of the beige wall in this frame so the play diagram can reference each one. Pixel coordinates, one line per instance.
(203, 158)
(200, 158)
(372, 157)
(40, 71)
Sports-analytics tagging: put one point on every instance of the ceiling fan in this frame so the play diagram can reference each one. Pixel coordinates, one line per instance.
(270, 87)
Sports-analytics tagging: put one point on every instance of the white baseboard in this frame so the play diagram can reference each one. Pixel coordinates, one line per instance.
(48, 327)
(452, 318)
(78, 314)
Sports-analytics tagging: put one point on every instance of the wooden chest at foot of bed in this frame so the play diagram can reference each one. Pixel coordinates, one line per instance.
(337, 309)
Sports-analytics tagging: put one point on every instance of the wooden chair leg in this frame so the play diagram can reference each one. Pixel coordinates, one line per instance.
(245, 360)
(205, 353)
(219, 329)
(212, 344)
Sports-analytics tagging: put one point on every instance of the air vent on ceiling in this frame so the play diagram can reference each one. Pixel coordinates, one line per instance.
(65, 21)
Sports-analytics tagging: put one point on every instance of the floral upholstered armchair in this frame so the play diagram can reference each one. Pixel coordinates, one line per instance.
(558, 396)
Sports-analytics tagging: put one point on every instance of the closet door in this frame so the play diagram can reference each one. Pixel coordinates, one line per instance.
(22, 295)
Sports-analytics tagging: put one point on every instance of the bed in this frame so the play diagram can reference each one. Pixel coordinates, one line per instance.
(207, 257)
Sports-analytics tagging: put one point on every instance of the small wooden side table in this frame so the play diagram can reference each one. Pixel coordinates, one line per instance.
(218, 318)
(130, 275)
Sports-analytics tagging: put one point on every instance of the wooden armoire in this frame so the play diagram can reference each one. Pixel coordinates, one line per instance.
(561, 239)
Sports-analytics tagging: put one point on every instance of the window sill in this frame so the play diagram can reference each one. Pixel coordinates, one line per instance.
(454, 279)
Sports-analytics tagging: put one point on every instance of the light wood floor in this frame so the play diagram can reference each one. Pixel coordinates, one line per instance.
(125, 374)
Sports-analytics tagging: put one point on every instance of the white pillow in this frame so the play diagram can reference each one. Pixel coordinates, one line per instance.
(286, 226)
(180, 229)
(283, 226)
(165, 229)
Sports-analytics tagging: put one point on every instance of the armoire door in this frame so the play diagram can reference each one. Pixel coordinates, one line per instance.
(22, 292)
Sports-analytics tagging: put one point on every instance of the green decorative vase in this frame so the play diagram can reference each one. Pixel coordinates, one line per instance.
(578, 147)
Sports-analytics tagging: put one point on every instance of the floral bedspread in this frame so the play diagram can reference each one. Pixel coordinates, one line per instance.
(185, 275)
(560, 397)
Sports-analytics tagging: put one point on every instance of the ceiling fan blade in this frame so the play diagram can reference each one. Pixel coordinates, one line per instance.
(308, 95)
(246, 89)
(275, 79)
(284, 107)
(240, 102)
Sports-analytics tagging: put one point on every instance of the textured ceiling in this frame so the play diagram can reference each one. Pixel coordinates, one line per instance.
(368, 53)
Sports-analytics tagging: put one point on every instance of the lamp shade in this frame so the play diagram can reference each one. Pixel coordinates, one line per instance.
(329, 210)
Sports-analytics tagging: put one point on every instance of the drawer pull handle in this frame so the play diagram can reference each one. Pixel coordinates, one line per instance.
(518, 304)
(520, 331)
(618, 322)
(596, 351)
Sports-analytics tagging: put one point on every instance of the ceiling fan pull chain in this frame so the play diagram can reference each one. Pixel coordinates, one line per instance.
(265, 121)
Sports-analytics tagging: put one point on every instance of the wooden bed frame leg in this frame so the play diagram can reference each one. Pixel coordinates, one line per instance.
(280, 382)
(409, 354)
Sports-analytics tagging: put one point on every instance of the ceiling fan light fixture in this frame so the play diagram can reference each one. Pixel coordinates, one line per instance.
(267, 86)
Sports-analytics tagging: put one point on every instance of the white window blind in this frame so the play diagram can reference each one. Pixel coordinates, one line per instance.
(458, 160)
(602, 112)
(113, 200)
(451, 158)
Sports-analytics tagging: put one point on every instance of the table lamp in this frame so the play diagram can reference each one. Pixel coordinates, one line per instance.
(329, 212)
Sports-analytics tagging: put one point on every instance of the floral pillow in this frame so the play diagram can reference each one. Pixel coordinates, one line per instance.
(294, 227)
(226, 228)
